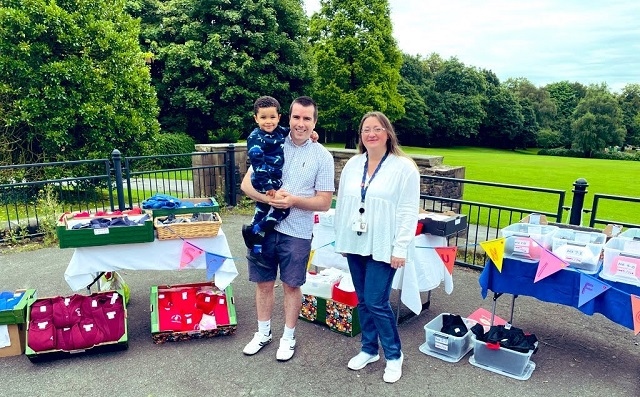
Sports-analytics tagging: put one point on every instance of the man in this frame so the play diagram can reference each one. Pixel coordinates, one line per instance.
(308, 185)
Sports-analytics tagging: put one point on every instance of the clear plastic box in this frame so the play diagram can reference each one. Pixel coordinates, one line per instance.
(581, 250)
(506, 361)
(447, 347)
(542, 234)
(633, 233)
(622, 260)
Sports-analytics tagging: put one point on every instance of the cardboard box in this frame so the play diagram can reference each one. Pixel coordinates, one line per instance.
(442, 224)
(40, 314)
(18, 314)
(17, 336)
(73, 238)
(339, 317)
(171, 323)
(213, 207)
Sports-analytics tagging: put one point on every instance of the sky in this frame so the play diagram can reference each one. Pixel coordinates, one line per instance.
(545, 41)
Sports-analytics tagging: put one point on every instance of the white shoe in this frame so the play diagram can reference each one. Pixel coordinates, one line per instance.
(258, 342)
(286, 349)
(361, 360)
(393, 370)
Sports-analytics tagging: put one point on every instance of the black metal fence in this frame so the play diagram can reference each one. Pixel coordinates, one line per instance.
(125, 182)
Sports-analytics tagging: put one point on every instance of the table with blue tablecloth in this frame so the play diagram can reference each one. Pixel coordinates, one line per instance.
(562, 287)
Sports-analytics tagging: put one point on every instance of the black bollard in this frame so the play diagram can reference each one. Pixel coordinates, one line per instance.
(579, 191)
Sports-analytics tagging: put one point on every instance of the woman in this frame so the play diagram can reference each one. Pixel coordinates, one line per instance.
(375, 221)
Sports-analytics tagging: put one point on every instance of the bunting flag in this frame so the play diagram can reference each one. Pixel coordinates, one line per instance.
(189, 253)
(310, 259)
(495, 251)
(214, 262)
(635, 311)
(549, 264)
(590, 287)
(448, 256)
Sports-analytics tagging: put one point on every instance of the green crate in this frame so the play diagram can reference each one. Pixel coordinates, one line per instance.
(162, 336)
(18, 315)
(70, 238)
(215, 207)
(339, 317)
(120, 344)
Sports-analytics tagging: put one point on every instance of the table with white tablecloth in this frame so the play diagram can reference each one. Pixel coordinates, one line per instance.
(424, 270)
(87, 262)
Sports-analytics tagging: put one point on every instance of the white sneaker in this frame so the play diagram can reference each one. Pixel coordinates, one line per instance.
(361, 360)
(286, 349)
(258, 342)
(393, 370)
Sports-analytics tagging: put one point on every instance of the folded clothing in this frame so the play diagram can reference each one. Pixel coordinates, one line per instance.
(165, 201)
(453, 324)
(506, 336)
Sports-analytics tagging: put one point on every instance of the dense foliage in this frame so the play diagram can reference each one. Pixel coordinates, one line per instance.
(73, 81)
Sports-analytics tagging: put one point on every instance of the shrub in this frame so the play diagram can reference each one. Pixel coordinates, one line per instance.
(172, 143)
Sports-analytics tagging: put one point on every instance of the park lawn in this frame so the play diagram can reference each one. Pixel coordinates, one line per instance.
(526, 168)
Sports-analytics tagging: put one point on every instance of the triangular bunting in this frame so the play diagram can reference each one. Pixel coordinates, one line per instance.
(448, 256)
(189, 253)
(549, 264)
(590, 287)
(310, 259)
(635, 308)
(214, 262)
(495, 251)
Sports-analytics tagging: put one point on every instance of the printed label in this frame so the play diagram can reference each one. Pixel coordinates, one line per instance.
(442, 342)
(521, 246)
(626, 267)
(574, 254)
(97, 232)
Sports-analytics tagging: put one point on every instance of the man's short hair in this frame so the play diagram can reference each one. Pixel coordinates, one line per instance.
(266, 102)
(306, 102)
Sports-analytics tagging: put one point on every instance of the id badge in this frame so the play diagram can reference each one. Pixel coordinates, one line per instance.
(359, 226)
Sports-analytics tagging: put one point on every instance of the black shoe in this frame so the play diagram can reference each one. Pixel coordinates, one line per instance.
(247, 235)
(258, 259)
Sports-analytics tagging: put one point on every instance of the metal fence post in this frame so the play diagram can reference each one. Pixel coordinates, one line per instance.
(117, 168)
(579, 191)
(232, 193)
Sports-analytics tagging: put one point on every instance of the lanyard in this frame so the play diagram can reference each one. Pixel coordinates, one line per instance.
(364, 187)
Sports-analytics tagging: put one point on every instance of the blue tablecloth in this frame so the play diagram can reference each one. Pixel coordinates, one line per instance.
(562, 287)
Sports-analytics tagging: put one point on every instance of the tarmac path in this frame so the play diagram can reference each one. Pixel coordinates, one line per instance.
(579, 355)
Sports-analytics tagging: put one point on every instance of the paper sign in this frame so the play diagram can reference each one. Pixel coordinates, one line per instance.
(448, 256)
(495, 251)
(189, 253)
(483, 317)
(627, 267)
(590, 287)
(635, 308)
(549, 264)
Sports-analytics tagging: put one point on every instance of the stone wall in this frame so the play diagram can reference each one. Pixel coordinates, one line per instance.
(428, 165)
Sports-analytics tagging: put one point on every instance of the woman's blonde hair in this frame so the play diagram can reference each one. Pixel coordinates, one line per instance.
(393, 146)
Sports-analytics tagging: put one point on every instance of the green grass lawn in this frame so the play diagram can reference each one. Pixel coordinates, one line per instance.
(615, 177)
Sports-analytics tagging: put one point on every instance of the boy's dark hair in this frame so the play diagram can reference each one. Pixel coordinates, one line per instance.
(266, 102)
(306, 102)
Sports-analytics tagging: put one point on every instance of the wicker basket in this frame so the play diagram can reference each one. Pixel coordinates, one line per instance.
(187, 229)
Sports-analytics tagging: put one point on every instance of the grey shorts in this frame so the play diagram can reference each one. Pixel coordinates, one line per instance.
(290, 254)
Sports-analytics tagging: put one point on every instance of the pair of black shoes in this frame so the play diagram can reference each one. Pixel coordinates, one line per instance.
(252, 239)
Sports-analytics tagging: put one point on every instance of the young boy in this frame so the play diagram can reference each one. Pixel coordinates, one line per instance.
(265, 150)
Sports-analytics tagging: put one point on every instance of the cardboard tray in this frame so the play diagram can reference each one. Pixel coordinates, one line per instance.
(47, 355)
(161, 336)
(18, 315)
(70, 238)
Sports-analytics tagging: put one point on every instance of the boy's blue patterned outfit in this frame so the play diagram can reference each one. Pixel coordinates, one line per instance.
(266, 153)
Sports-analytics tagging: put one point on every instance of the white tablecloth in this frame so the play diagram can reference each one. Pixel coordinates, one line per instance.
(87, 262)
(424, 270)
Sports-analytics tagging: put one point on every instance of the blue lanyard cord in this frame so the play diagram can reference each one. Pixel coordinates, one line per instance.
(364, 187)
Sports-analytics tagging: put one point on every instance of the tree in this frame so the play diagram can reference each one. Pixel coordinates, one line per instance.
(566, 97)
(545, 109)
(358, 64)
(413, 127)
(629, 101)
(213, 58)
(73, 81)
(597, 121)
(456, 102)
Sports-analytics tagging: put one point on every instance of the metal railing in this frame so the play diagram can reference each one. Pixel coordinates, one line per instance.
(597, 198)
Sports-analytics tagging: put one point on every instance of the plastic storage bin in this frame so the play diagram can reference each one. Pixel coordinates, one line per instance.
(581, 250)
(542, 234)
(503, 361)
(633, 233)
(444, 346)
(622, 260)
